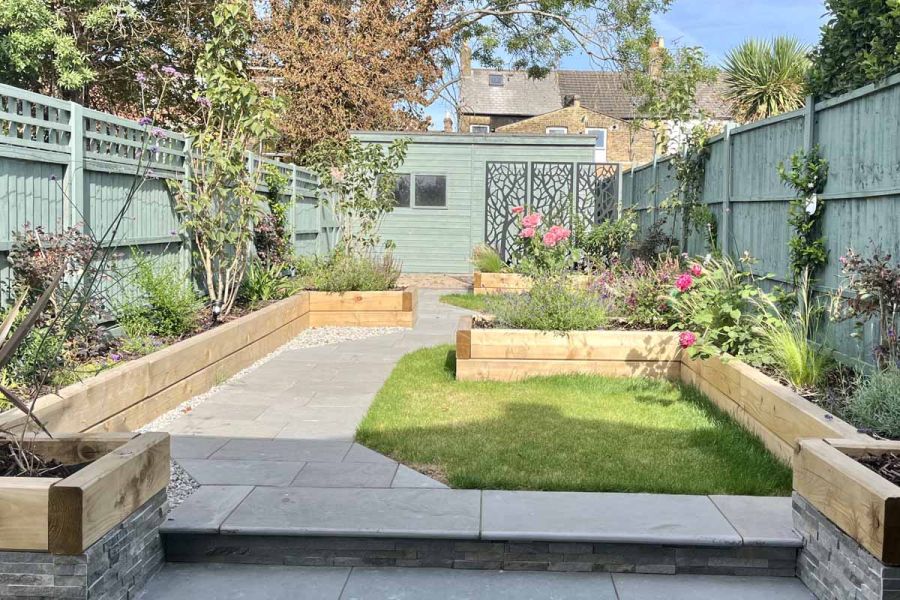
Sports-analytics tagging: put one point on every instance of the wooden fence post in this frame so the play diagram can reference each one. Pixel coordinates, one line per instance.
(655, 187)
(619, 191)
(73, 183)
(726, 198)
(187, 243)
(809, 124)
(293, 215)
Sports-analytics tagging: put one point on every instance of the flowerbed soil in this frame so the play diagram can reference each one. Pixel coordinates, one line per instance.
(11, 466)
(564, 433)
(886, 465)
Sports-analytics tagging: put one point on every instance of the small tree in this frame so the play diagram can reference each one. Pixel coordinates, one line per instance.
(358, 185)
(219, 203)
(860, 44)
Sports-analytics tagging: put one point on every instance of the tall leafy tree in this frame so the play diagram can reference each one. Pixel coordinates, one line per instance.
(765, 78)
(860, 44)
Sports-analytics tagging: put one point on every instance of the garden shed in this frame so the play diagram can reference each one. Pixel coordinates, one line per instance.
(455, 190)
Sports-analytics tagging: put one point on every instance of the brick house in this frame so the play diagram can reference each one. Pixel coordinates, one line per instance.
(567, 102)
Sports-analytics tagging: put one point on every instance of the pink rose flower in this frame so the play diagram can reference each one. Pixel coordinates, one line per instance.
(532, 220)
(687, 339)
(518, 210)
(684, 282)
(561, 233)
(550, 239)
(528, 232)
(696, 270)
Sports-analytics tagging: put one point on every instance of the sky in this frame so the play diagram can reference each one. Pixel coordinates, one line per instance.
(717, 26)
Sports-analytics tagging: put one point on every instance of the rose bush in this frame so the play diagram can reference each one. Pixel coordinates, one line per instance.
(542, 250)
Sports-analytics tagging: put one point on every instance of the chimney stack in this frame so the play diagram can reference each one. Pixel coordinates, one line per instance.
(573, 100)
(448, 122)
(465, 60)
(657, 49)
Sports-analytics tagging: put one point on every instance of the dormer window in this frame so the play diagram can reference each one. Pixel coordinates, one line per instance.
(495, 80)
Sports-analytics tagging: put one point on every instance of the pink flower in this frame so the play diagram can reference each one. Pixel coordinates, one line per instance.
(684, 282)
(518, 210)
(687, 339)
(337, 175)
(532, 220)
(528, 232)
(696, 270)
(550, 239)
(561, 233)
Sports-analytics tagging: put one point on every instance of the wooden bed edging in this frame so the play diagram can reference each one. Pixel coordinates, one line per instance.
(133, 394)
(66, 516)
(509, 283)
(777, 415)
(856, 499)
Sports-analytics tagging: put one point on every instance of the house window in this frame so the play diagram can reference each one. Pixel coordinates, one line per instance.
(495, 80)
(599, 135)
(401, 191)
(431, 191)
(479, 128)
(557, 130)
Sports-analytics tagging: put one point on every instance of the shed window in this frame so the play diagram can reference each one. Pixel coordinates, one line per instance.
(495, 80)
(557, 130)
(401, 191)
(431, 191)
(479, 128)
(599, 135)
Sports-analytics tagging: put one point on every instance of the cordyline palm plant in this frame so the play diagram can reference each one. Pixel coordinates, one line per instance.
(766, 78)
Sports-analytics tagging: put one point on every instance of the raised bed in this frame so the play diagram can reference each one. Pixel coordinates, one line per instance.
(129, 396)
(509, 283)
(776, 414)
(863, 504)
(66, 516)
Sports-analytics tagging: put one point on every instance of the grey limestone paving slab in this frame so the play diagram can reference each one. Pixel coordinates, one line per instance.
(282, 450)
(242, 472)
(602, 517)
(420, 513)
(359, 453)
(763, 521)
(189, 425)
(708, 587)
(346, 475)
(342, 431)
(214, 409)
(205, 509)
(453, 584)
(211, 581)
(408, 478)
(194, 446)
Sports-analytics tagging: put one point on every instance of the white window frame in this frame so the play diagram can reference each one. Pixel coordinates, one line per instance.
(481, 129)
(496, 77)
(556, 130)
(595, 131)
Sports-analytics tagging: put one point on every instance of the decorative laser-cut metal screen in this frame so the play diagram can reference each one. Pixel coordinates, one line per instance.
(546, 187)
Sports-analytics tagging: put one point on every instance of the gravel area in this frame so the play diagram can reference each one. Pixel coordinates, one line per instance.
(182, 484)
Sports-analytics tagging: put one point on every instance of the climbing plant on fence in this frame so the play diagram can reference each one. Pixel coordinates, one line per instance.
(807, 175)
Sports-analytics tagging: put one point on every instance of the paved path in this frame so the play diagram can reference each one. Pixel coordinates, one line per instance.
(233, 582)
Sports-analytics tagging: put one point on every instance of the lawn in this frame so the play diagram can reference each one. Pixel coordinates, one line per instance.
(582, 433)
(470, 301)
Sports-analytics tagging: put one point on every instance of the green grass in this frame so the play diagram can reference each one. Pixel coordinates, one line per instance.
(469, 300)
(580, 433)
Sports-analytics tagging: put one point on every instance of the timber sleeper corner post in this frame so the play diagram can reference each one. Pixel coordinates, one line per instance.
(103, 518)
(849, 518)
(392, 308)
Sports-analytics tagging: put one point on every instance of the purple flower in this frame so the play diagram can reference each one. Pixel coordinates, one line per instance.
(169, 70)
(203, 101)
(115, 357)
(144, 121)
(157, 132)
(141, 77)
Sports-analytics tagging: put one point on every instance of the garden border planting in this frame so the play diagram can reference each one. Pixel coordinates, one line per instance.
(133, 394)
(776, 414)
(66, 516)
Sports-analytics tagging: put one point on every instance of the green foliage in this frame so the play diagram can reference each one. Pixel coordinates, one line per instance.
(552, 304)
(541, 249)
(807, 176)
(718, 307)
(357, 183)
(164, 303)
(265, 283)
(875, 405)
(786, 340)
(860, 44)
(487, 260)
(687, 197)
(40, 359)
(655, 243)
(271, 237)
(766, 78)
(638, 293)
(607, 241)
(220, 204)
(356, 273)
(36, 47)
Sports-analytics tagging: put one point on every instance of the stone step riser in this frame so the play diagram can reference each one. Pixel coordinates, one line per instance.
(478, 554)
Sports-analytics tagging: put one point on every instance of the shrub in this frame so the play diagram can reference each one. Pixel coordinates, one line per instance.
(542, 250)
(40, 359)
(487, 260)
(876, 404)
(714, 301)
(356, 273)
(606, 242)
(163, 303)
(266, 283)
(655, 243)
(552, 304)
(638, 294)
